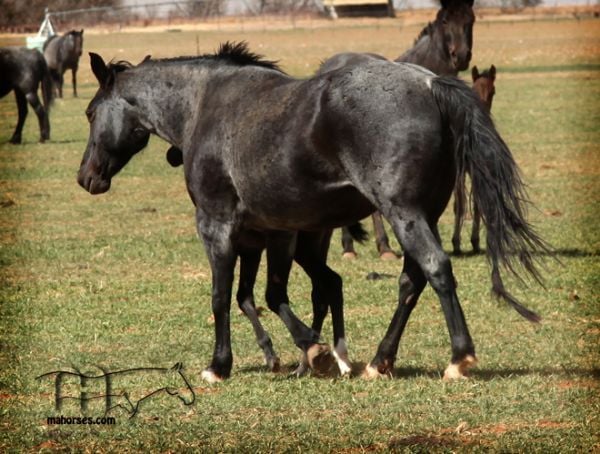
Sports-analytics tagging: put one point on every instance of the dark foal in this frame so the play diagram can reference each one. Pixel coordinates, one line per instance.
(264, 152)
(483, 84)
(311, 254)
(23, 71)
(62, 53)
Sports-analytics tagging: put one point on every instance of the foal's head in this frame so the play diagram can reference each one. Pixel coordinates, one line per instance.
(456, 20)
(116, 131)
(483, 84)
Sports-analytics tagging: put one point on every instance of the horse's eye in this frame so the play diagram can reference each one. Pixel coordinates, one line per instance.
(90, 115)
(139, 131)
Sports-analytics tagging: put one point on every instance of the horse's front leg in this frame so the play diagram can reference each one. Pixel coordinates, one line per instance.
(74, 77)
(280, 251)
(218, 240)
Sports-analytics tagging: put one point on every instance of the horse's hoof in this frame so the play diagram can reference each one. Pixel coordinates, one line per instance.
(209, 376)
(458, 371)
(388, 255)
(343, 364)
(274, 364)
(373, 373)
(15, 140)
(349, 255)
(320, 358)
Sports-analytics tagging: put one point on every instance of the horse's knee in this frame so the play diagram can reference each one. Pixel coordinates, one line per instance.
(440, 276)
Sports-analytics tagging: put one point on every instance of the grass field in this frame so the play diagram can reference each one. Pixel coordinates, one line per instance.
(121, 281)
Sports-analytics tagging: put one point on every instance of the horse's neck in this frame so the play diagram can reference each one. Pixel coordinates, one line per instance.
(169, 99)
(428, 51)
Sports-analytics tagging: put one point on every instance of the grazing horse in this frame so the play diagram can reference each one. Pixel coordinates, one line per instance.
(483, 84)
(443, 47)
(62, 53)
(23, 70)
(265, 152)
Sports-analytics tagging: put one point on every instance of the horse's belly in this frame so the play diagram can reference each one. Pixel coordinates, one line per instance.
(283, 209)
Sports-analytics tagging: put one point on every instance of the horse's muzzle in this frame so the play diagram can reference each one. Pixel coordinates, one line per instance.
(92, 184)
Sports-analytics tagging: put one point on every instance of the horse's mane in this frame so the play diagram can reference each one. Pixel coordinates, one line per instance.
(231, 52)
(427, 31)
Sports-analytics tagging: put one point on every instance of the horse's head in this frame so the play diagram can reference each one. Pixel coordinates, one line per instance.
(116, 132)
(483, 84)
(75, 41)
(456, 19)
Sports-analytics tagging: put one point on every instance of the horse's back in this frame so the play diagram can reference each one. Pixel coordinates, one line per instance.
(51, 47)
(346, 59)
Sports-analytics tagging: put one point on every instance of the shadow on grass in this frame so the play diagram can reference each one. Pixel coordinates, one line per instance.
(287, 371)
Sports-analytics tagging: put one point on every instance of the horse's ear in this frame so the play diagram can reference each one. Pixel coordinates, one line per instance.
(99, 69)
(81, 32)
(146, 58)
(493, 72)
(474, 73)
(177, 366)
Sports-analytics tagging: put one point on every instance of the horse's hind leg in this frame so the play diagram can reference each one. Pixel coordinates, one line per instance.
(419, 242)
(311, 255)
(280, 250)
(249, 263)
(42, 115)
(22, 114)
(458, 208)
(475, 229)
(381, 238)
(412, 282)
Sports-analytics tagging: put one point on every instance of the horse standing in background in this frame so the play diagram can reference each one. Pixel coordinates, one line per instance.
(62, 53)
(483, 84)
(443, 47)
(22, 71)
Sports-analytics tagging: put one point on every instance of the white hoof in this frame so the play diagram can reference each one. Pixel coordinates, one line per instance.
(371, 373)
(210, 377)
(458, 371)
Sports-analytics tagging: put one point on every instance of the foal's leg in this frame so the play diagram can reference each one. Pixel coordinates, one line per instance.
(280, 250)
(412, 282)
(311, 255)
(347, 244)
(381, 239)
(217, 237)
(475, 229)
(22, 112)
(249, 263)
(42, 115)
(420, 243)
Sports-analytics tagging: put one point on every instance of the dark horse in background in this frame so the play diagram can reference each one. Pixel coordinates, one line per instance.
(23, 71)
(483, 84)
(62, 53)
(315, 154)
(443, 47)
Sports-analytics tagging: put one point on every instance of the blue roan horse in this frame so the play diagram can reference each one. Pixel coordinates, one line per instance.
(264, 152)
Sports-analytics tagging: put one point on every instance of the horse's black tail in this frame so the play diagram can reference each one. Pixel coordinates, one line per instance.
(47, 86)
(497, 187)
(358, 232)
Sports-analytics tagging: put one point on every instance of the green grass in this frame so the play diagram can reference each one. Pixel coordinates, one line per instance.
(120, 280)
